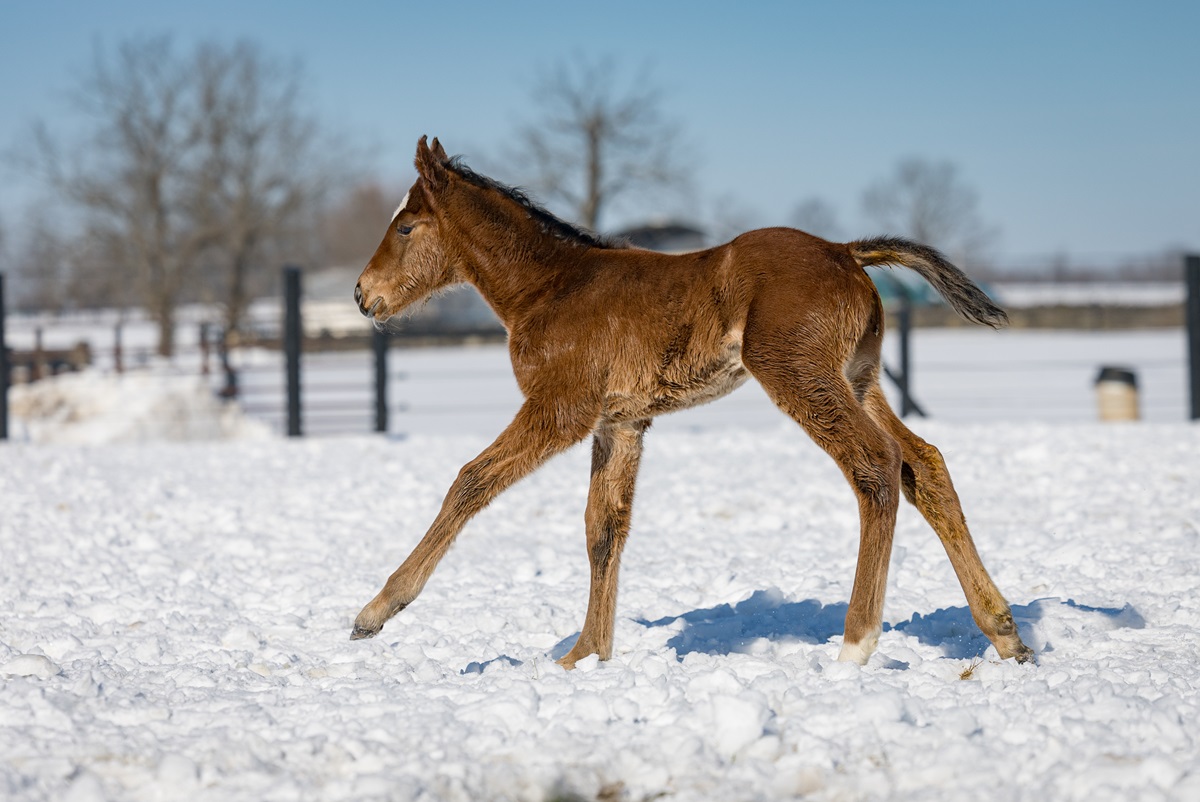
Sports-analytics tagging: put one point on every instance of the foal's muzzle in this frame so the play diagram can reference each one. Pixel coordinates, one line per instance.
(362, 304)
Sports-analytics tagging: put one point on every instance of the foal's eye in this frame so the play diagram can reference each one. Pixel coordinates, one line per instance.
(404, 230)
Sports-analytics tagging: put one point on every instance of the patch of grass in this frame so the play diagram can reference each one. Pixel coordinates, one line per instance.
(969, 671)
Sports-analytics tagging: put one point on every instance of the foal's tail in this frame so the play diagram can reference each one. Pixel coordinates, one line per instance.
(950, 282)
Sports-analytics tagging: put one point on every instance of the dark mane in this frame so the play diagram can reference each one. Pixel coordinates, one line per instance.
(546, 221)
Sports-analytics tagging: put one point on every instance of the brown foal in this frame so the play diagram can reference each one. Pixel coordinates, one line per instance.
(604, 337)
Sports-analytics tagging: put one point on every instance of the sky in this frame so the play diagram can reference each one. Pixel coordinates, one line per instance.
(1077, 123)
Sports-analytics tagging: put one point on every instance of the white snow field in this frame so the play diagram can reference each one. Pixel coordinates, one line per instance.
(963, 375)
(176, 617)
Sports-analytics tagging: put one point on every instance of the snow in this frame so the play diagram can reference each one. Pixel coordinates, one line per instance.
(1015, 294)
(92, 407)
(177, 618)
(961, 375)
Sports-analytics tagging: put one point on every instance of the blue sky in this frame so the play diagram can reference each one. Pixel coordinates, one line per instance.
(1078, 123)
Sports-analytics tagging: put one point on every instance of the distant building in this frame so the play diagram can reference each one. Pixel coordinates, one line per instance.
(667, 236)
(330, 309)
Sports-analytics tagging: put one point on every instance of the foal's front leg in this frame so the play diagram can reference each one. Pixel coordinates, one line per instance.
(535, 435)
(616, 453)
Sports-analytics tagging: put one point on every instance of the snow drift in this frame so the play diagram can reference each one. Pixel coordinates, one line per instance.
(176, 622)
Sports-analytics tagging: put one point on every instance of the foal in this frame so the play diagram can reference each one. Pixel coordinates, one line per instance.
(604, 337)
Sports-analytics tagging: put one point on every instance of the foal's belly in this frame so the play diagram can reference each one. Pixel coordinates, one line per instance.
(680, 386)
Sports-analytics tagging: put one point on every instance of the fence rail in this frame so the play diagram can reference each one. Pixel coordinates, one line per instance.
(325, 392)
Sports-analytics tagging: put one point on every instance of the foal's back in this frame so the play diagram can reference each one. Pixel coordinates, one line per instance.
(651, 333)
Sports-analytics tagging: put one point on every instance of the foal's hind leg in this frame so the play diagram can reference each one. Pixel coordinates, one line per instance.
(616, 452)
(535, 435)
(927, 485)
(819, 399)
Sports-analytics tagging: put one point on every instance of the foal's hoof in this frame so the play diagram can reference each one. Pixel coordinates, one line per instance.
(1025, 655)
(1018, 651)
(358, 633)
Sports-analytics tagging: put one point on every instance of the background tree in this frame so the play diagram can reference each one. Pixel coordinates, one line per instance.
(351, 228)
(132, 174)
(42, 267)
(818, 218)
(929, 202)
(593, 143)
(263, 171)
(193, 170)
(729, 215)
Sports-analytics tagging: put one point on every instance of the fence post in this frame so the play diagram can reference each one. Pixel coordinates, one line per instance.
(39, 358)
(204, 338)
(380, 342)
(293, 333)
(230, 388)
(1191, 269)
(908, 404)
(3, 369)
(905, 318)
(118, 356)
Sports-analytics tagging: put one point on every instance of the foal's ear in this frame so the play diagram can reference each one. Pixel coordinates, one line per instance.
(439, 151)
(429, 165)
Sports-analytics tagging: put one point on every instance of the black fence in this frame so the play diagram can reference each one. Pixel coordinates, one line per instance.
(4, 371)
(283, 382)
(901, 376)
(1191, 269)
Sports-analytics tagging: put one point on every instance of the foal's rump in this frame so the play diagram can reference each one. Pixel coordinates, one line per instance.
(811, 301)
(820, 263)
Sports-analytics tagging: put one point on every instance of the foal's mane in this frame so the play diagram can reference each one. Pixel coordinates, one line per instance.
(554, 226)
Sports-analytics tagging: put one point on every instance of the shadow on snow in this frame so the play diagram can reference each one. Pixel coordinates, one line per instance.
(728, 629)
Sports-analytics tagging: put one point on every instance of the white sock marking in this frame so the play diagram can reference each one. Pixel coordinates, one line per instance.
(860, 652)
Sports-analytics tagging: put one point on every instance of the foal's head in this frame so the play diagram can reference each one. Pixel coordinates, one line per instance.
(411, 262)
(451, 222)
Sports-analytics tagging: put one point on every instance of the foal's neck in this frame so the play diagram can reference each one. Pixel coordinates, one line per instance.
(517, 266)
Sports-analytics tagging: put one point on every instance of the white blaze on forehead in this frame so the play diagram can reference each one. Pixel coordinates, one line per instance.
(400, 208)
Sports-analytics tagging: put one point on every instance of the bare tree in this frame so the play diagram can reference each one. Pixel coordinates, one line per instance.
(351, 228)
(594, 143)
(133, 175)
(817, 217)
(928, 202)
(41, 267)
(261, 164)
(189, 162)
(728, 215)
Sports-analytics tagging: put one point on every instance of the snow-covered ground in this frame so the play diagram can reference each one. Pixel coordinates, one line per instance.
(962, 375)
(176, 620)
(140, 406)
(1014, 294)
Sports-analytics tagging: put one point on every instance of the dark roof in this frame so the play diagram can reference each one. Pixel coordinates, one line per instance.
(670, 235)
